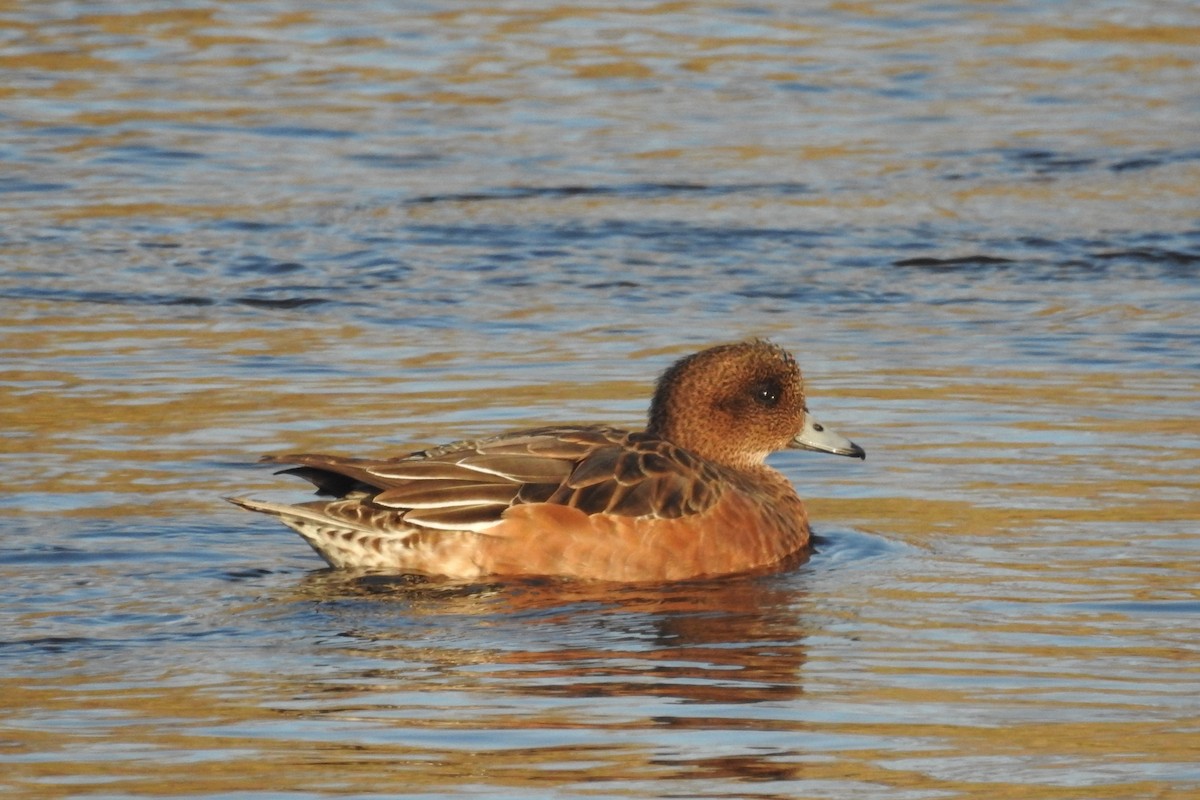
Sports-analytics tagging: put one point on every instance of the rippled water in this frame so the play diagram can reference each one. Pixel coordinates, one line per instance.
(244, 227)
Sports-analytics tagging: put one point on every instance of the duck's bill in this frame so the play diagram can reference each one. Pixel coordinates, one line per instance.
(816, 436)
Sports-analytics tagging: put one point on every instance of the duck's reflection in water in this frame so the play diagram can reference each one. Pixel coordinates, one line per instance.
(734, 640)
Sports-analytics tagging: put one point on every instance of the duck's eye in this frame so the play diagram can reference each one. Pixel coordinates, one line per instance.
(766, 393)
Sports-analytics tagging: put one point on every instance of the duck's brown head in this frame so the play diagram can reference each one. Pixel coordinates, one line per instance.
(735, 404)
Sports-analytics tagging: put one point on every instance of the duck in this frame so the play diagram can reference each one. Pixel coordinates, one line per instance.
(688, 497)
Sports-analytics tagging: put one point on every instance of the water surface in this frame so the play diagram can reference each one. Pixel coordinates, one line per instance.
(245, 227)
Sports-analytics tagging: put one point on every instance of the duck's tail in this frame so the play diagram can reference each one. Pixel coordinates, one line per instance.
(340, 539)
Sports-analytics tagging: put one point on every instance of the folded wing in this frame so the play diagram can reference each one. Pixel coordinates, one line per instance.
(468, 485)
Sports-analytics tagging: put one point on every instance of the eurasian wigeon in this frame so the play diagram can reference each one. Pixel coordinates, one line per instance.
(688, 497)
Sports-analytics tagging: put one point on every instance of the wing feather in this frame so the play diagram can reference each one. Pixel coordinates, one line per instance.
(468, 485)
(458, 518)
(446, 494)
(519, 467)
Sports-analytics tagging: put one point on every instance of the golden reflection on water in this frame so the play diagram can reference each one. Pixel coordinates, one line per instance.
(374, 725)
(1018, 620)
(632, 46)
